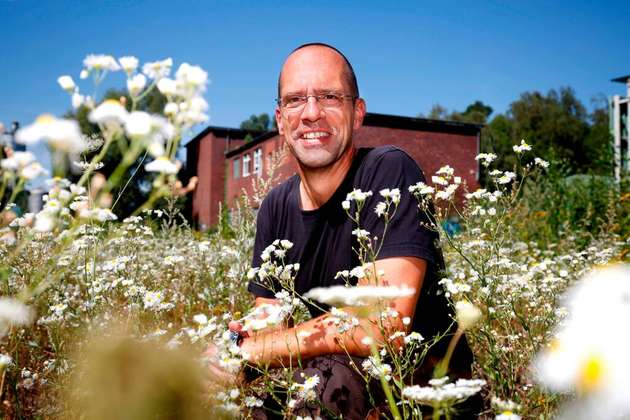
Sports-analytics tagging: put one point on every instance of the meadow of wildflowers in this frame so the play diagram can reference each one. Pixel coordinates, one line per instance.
(97, 314)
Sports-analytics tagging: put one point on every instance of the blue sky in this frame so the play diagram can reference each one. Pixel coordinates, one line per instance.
(407, 55)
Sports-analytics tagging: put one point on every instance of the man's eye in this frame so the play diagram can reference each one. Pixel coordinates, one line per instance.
(331, 97)
(293, 100)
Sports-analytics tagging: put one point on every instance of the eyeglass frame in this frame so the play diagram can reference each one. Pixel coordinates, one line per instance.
(317, 97)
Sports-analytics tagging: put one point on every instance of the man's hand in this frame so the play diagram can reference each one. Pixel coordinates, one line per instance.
(237, 327)
(217, 374)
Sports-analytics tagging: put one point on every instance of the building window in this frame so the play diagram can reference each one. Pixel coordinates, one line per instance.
(237, 168)
(246, 160)
(269, 159)
(258, 162)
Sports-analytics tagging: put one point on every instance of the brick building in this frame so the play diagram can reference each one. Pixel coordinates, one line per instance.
(226, 164)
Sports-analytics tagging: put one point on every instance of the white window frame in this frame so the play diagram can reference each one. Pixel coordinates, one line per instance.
(246, 160)
(236, 168)
(258, 162)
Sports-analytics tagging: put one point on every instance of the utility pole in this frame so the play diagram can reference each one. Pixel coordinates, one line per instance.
(619, 112)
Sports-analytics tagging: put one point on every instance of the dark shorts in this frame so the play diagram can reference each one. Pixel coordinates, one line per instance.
(342, 392)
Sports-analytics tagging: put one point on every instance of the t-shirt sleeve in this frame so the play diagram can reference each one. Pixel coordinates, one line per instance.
(407, 235)
(264, 237)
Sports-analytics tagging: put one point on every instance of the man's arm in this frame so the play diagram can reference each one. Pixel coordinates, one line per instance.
(241, 328)
(321, 336)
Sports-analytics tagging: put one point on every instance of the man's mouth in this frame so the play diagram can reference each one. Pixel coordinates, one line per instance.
(312, 135)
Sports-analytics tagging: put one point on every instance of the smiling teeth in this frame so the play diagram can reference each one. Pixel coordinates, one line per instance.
(314, 135)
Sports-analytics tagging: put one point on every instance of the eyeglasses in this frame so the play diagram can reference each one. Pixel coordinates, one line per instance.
(327, 100)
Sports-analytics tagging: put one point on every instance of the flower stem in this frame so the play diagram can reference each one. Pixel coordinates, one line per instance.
(442, 368)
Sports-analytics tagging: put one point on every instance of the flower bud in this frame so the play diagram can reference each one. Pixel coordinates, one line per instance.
(467, 314)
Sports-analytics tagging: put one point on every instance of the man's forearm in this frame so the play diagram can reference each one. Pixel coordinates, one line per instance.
(318, 336)
(321, 335)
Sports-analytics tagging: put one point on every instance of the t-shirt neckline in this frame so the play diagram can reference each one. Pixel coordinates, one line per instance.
(354, 167)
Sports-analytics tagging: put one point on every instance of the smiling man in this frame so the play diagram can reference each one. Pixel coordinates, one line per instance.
(318, 111)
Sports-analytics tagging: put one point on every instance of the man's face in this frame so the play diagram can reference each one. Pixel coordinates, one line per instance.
(318, 136)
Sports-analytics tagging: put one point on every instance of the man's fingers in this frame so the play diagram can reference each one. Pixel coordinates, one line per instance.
(235, 326)
(218, 375)
(211, 351)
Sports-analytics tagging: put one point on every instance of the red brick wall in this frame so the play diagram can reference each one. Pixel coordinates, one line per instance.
(211, 173)
(430, 150)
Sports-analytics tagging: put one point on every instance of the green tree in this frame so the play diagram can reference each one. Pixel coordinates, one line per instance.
(477, 113)
(497, 137)
(260, 122)
(559, 128)
(556, 124)
(599, 143)
(438, 112)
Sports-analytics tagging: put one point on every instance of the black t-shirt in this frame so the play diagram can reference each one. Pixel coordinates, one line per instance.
(323, 242)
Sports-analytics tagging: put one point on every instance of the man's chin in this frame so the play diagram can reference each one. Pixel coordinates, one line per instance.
(315, 162)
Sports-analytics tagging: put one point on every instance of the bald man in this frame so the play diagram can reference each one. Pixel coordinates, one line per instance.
(318, 111)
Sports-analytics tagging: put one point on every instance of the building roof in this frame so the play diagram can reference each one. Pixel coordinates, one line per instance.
(235, 133)
(622, 79)
(420, 124)
(252, 143)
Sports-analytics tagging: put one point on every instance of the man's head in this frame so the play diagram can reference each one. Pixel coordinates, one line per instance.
(318, 107)
(348, 72)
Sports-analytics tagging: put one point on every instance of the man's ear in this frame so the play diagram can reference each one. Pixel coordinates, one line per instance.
(360, 109)
(278, 115)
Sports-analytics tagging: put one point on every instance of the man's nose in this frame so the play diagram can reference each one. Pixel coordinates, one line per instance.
(312, 109)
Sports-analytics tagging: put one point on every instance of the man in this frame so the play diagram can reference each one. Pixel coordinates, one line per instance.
(318, 110)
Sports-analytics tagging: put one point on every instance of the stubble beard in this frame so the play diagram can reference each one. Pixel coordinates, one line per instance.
(319, 159)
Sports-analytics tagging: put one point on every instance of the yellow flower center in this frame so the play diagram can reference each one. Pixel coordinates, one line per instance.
(591, 374)
(45, 119)
(507, 413)
(555, 345)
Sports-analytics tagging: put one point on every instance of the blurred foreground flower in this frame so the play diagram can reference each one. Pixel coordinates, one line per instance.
(14, 313)
(60, 134)
(109, 112)
(589, 352)
(122, 378)
(5, 361)
(441, 392)
(164, 165)
(100, 62)
(358, 295)
(24, 164)
(66, 83)
(467, 314)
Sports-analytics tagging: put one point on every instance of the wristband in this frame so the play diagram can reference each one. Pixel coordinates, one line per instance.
(236, 338)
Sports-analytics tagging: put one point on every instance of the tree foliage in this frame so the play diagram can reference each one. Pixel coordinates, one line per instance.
(258, 123)
(556, 124)
(261, 122)
(437, 112)
(477, 113)
(559, 128)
